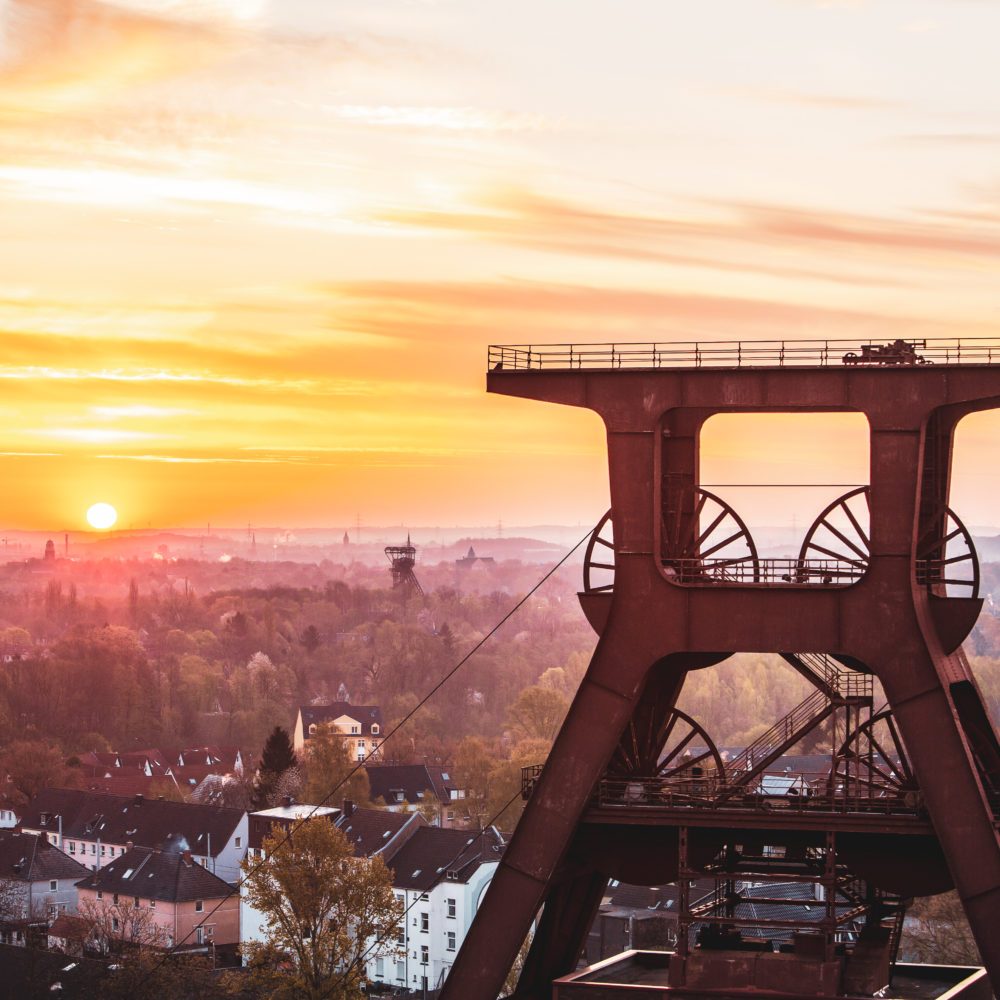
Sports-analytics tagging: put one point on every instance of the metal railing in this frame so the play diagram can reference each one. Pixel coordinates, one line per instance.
(764, 572)
(744, 354)
(709, 792)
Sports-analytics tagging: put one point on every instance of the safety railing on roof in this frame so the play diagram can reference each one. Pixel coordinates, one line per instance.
(810, 793)
(745, 354)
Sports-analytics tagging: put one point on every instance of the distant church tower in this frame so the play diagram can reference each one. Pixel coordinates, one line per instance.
(347, 538)
(50, 551)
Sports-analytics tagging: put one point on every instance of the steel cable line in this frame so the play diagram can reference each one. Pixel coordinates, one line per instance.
(388, 736)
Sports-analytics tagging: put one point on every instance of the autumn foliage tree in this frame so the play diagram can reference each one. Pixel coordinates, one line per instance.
(329, 774)
(323, 908)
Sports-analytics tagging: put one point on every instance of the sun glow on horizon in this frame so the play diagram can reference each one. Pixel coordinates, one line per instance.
(101, 516)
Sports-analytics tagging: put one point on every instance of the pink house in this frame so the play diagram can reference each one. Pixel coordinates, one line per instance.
(164, 896)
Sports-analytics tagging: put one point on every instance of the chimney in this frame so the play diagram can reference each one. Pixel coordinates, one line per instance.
(348, 808)
(287, 801)
(139, 799)
(186, 858)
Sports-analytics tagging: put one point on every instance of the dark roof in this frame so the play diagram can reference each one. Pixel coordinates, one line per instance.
(643, 897)
(31, 972)
(118, 819)
(319, 714)
(370, 830)
(30, 858)
(394, 783)
(433, 855)
(163, 875)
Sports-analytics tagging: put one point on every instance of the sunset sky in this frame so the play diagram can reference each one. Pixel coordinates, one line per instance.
(253, 251)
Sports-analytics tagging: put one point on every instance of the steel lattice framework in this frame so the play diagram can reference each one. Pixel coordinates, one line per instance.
(885, 584)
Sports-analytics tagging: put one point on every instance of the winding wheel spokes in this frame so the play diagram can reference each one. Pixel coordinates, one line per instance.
(871, 763)
(837, 548)
(599, 558)
(704, 540)
(946, 556)
(672, 747)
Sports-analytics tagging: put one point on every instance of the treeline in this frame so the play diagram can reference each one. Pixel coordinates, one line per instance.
(172, 668)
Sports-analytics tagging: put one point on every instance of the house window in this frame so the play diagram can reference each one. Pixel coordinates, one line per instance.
(152, 904)
(424, 954)
(115, 899)
(400, 972)
(239, 841)
(100, 895)
(451, 908)
(425, 923)
(114, 923)
(312, 729)
(135, 901)
(199, 906)
(199, 935)
(379, 968)
(355, 730)
(400, 934)
(451, 940)
(72, 847)
(103, 849)
(209, 930)
(93, 848)
(374, 729)
(53, 885)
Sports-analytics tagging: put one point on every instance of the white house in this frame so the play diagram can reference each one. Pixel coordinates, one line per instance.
(440, 877)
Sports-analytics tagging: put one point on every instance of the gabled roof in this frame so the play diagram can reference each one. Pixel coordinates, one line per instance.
(433, 855)
(371, 831)
(26, 857)
(118, 819)
(320, 714)
(394, 783)
(161, 875)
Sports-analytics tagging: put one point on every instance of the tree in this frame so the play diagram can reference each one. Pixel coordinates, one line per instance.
(327, 768)
(276, 758)
(142, 970)
(538, 713)
(311, 639)
(938, 931)
(324, 909)
(33, 765)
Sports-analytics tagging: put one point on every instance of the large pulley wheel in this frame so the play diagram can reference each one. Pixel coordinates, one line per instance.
(705, 540)
(599, 558)
(672, 748)
(871, 763)
(837, 548)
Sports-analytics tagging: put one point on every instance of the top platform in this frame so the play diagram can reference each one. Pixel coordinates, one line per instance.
(738, 354)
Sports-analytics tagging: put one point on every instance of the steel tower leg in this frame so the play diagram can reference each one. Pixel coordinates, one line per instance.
(600, 711)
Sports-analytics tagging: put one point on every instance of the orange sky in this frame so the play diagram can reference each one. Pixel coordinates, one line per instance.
(253, 252)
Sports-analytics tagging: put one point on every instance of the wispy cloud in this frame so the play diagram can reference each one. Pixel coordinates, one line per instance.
(528, 219)
(812, 100)
(453, 119)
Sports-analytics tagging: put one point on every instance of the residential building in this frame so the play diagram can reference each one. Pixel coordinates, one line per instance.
(39, 884)
(440, 877)
(360, 726)
(193, 909)
(408, 786)
(369, 831)
(260, 824)
(96, 828)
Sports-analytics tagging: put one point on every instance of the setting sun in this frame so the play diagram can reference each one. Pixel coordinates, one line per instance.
(102, 516)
